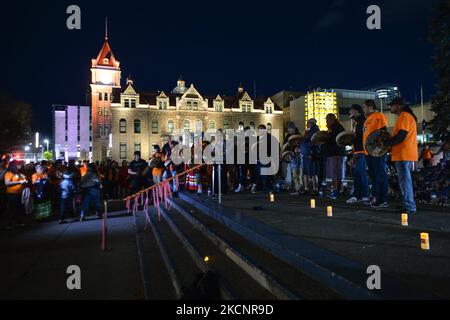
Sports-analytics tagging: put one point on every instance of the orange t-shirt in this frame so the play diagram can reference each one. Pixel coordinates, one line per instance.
(374, 122)
(427, 154)
(407, 150)
(36, 177)
(158, 171)
(18, 188)
(83, 171)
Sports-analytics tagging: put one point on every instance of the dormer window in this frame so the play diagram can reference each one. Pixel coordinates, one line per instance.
(195, 105)
(127, 103)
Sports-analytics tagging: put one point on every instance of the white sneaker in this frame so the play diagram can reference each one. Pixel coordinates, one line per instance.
(239, 189)
(352, 200)
(254, 188)
(365, 200)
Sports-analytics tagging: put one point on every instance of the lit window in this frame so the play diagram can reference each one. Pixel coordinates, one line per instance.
(252, 125)
(154, 126)
(186, 125)
(195, 107)
(123, 126)
(170, 126)
(137, 126)
(241, 125)
(99, 111)
(123, 151)
(106, 112)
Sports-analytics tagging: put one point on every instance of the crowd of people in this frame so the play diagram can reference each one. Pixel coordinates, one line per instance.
(395, 173)
(62, 189)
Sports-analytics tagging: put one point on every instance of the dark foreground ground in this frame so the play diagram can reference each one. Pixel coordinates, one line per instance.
(34, 259)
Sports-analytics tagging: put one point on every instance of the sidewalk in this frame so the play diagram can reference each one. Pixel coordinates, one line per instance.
(34, 260)
(356, 233)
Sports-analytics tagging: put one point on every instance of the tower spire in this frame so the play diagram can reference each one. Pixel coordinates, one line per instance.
(106, 28)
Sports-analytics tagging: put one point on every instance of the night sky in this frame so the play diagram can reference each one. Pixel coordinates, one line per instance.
(215, 45)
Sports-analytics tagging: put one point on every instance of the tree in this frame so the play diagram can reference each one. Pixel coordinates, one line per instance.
(15, 121)
(48, 155)
(439, 35)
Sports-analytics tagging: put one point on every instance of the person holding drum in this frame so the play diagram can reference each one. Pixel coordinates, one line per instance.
(404, 150)
(310, 154)
(361, 184)
(376, 121)
(334, 155)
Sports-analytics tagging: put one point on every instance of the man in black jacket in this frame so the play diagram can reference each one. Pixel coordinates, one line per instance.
(334, 155)
(361, 184)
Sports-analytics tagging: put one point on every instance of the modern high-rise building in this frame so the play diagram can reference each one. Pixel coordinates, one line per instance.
(386, 92)
(72, 132)
(319, 102)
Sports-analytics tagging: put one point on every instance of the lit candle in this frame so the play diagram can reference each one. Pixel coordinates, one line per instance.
(330, 211)
(404, 220)
(425, 241)
(272, 197)
(313, 203)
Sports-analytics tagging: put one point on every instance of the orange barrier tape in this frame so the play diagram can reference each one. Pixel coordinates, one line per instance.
(161, 183)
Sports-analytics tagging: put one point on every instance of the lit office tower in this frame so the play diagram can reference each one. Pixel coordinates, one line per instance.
(318, 104)
(386, 92)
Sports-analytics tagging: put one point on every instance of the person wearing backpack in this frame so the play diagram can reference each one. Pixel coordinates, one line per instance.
(67, 192)
(41, 188)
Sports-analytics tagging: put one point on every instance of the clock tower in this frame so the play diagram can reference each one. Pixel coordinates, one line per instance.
(105, 77)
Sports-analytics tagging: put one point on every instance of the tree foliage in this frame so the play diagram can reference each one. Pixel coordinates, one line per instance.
(439, 36)
(15, 121)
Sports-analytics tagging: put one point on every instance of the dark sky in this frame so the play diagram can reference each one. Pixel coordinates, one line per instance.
(215, 45)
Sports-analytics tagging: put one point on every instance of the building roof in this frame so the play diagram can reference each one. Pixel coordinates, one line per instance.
(106, 53)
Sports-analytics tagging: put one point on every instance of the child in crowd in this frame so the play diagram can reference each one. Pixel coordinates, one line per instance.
(297, 170)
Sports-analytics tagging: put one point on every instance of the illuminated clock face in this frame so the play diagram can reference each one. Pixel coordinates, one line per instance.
(106, 78)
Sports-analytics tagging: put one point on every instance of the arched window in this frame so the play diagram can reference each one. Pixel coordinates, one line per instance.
(137, 126)
(226, 125)
(269, 127)
(186, 125)
(241, 125)
(170, 126)
(123, 126)
(252, 125)
(155, 129)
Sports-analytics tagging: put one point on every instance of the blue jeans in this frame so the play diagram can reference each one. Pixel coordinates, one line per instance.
(91, 195)
(379, 178)
(404, 169)
(360, 176)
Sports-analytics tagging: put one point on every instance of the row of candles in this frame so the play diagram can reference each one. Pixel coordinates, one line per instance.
(424, 237)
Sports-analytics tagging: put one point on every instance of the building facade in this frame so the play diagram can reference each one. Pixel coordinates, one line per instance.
(125, 120)
(141, 120)
(72, 132)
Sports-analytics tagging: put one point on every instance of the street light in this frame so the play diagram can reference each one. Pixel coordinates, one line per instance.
(46, 142)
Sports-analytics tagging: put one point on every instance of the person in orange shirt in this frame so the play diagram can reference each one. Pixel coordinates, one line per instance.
(377, 165)
(427, 156)
(158, 170)
(404, 150)
(15, 183)
(83, 169)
